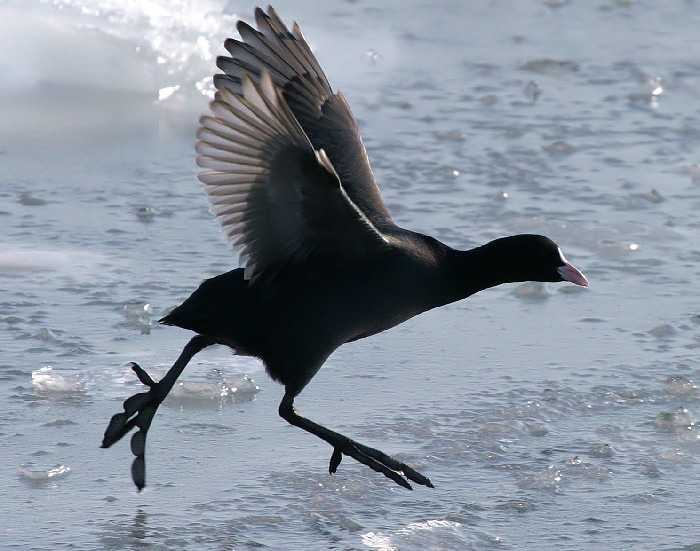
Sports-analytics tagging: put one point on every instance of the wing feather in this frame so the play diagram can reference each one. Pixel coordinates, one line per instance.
(279, 201)
(324, 117)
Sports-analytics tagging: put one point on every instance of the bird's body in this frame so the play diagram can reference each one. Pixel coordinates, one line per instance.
(296, 326)
(322, 261)
(316, 309)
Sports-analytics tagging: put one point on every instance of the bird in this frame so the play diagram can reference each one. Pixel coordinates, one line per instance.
(321, 261)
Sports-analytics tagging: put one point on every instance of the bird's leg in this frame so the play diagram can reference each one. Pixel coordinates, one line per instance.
(342, 445)
(140, 408)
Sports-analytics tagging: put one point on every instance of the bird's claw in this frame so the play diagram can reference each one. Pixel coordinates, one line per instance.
(144, 377)
(380, 462)
(139, 410)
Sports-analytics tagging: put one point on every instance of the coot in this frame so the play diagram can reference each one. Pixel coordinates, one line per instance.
(322, 261)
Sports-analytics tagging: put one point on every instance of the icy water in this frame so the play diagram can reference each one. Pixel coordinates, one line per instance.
(548, 416)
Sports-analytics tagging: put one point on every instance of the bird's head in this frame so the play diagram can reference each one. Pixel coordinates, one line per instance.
(536, 258)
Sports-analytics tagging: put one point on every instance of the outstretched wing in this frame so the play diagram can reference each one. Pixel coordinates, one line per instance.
(278, 199)
(324, 116)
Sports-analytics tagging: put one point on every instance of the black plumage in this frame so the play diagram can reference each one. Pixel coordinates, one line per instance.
(322, 262)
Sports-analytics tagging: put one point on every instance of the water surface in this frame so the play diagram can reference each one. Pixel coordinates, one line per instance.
(548, 416)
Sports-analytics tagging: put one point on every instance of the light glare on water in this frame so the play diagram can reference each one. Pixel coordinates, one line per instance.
(548, 416)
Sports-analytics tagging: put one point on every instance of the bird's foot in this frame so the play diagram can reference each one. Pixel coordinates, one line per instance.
(378, 461)
(139, 410)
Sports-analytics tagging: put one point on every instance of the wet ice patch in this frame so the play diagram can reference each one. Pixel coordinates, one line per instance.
(553, 67)
(549, 480)
(449, 135)
(679, 385)
(49, 380)
(182, 40)
(532, 91)
(29, 259)
(537, 429)
(653, 197)
(29, 200)
(516, 505)
(649, 92)
(216, 388)
(694, 171)
(600, 450)
(138, 315)
(446, 534)
(36, 476)
(534, 291)
(670, 421)
(559, 149)
(145, 214)
(663, 331)
(556, 477)
(240, 387)
(677, 456)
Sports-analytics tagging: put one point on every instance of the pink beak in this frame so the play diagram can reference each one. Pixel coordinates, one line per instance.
(571, 273)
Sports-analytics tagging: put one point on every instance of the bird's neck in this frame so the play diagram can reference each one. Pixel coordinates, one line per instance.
(471, 271)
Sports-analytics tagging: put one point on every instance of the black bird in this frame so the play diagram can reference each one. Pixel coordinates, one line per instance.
(322, 261)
